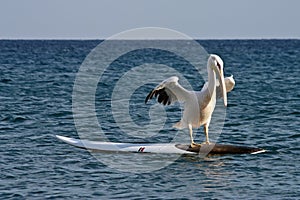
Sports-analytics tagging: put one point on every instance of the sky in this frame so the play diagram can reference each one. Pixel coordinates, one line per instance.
(100, 19)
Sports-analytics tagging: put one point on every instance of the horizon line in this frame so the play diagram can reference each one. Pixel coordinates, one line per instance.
(77, 38)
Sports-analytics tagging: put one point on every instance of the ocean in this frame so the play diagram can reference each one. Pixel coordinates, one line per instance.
(37, 79)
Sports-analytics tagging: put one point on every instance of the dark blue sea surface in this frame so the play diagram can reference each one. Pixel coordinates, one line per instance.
(36, 86)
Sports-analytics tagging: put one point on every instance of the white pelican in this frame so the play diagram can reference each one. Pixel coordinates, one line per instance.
(198, 105)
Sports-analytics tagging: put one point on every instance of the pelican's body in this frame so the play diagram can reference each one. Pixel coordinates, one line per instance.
(198, 105)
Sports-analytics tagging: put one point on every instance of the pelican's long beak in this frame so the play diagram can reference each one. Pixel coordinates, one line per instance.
(222, 85)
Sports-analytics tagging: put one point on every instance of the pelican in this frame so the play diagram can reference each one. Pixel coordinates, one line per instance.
(198, 105)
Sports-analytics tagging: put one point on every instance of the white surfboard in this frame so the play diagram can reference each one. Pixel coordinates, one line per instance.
(159, 147)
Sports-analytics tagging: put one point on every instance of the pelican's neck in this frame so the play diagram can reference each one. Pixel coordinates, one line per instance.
(211, 81)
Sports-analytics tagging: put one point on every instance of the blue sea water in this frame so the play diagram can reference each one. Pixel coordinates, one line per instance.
(36, 85)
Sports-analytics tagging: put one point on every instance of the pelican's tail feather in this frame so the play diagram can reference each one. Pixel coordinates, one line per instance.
(179, 125)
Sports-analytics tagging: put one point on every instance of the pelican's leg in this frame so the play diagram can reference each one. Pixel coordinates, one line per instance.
(193, 144)
(191, 134)
(206, 133)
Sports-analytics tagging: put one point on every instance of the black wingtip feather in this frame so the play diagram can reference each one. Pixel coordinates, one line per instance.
(149, 96)
(161, 95)
(160, 98)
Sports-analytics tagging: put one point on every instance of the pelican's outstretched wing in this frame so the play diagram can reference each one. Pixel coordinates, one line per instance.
(229, 84)
(169, 91)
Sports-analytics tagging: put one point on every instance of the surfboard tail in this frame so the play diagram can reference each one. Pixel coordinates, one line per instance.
(220, 149)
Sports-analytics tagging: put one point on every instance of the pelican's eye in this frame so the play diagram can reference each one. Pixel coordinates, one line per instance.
(218, 65)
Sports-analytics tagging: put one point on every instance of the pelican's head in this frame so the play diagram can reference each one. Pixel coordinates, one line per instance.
(216, 64)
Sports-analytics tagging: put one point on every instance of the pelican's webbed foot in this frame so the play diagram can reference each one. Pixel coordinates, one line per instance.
(194, 145)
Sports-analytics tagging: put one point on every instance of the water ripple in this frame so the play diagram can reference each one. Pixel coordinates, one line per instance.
(36, 84)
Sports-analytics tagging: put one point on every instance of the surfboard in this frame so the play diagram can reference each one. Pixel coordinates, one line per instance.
(166, 148)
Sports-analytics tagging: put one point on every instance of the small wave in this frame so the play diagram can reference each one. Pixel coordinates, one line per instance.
(14, 118)
(5, 80)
